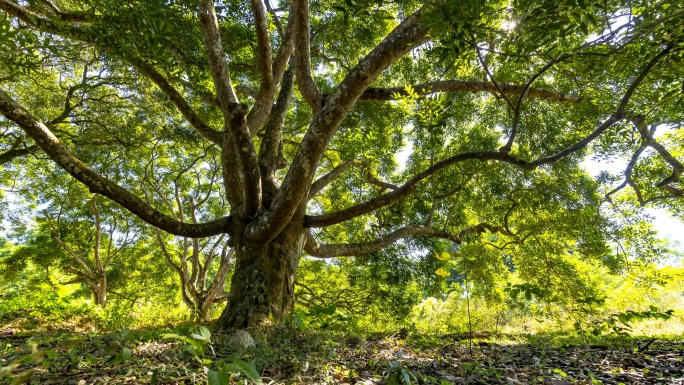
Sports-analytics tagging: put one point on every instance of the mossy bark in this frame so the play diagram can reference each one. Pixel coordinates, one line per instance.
(262, 287)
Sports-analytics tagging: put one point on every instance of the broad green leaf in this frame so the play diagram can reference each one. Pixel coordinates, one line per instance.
(217, 377)
(126, 354)
(245, 368)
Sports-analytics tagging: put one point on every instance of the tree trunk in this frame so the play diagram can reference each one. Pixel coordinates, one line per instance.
(262, 287)
(203, 313)
(100, 291)
(201, 310)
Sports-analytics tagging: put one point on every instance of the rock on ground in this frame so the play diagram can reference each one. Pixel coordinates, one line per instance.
(241, 340)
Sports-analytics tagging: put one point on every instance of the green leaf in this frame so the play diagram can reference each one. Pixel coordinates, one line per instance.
(217, 378)
(172, 336)
(330, 309)
(405, 377)
(623, 318)
(239, 366)
(126, 354)
(204, 334)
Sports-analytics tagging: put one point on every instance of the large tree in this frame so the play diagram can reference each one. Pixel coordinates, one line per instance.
(305, 104)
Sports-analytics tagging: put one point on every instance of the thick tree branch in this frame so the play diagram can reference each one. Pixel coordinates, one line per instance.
(316, 249)
(677, 167)
(326, 121)
(249, 173)
(335, 173)
(267, 88)
(65, 30)
(263, 45)
(14, 153)
(302, 42)
(52, 146)
(216, 56)
(271, 151)
(285, 52)
(237, 142)
(503, 156)
(232, 181)
(408, 188)
(472, 86)
(261, 110)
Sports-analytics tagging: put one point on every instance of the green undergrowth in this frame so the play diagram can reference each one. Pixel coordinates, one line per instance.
(283, 354)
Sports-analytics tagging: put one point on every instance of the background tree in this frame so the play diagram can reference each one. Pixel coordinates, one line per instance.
(500, 101)
(202, 265)
(93, 243)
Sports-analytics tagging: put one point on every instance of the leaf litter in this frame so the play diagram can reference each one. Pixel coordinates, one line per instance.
(287, 356)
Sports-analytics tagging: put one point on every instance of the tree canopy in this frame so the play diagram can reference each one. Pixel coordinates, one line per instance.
(300, 108)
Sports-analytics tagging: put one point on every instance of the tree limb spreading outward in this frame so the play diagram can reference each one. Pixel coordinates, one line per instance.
(52, 146)
(502, 156)
(14, 153)
(237, 139)
(272, 71)
(317, 249)
(302, 44)
(667, 183)
(245, 173)
(70, 31)
(466, 86)
(325, 122)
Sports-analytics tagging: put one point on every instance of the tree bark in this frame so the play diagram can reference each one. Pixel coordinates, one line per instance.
(100, 291)
(204, 311)
(262, 287)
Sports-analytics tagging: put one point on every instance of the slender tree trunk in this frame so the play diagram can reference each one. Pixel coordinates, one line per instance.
(203, 312)
(100, 291)
(262, 288)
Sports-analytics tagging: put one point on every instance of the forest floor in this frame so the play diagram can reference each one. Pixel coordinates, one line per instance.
(289, 356)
